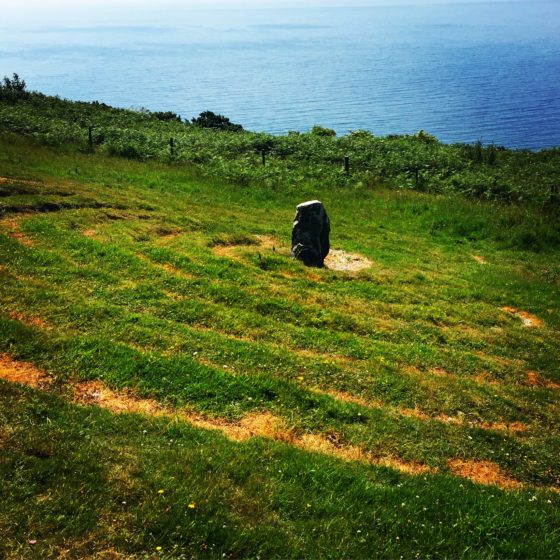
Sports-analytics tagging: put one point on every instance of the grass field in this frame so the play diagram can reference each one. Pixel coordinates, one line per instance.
(174, 385)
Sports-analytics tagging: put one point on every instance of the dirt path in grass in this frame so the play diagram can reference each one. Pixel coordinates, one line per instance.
(256, 424)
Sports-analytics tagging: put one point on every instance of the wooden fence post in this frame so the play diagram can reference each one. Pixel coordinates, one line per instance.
(263, 153)
(171, 148)
(347, 165)
(90, 137)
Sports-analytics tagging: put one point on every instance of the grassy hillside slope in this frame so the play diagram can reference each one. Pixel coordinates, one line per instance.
(174, 385)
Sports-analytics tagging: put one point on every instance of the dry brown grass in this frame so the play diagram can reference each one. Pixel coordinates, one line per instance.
(533, 379)
(27, 320)
(527, 319)
(266, 425)
(21, 372)
(412, 413)
(319, 444)
(256, 424)
(483, 472)
(7, 180)
(512, 427)
(13, 227)
(96, 393)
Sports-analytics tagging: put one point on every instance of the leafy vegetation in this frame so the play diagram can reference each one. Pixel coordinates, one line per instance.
(418, 162)
(409, 409)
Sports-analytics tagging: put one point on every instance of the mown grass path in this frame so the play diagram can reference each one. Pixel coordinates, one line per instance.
(409, 408)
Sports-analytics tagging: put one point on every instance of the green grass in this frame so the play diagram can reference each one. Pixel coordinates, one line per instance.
(150, 277)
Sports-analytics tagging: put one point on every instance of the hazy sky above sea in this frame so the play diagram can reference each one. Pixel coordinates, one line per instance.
(19, 5)
(47, 13)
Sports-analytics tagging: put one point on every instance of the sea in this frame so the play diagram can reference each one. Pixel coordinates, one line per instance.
(461, 71)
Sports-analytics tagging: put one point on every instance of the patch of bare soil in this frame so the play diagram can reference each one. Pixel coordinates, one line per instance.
(479, 259)
(23, 373)
(527, 319)
(483, 472)
(346, 262)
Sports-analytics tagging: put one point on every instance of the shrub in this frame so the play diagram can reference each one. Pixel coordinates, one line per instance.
(321, 131)
(425, 137)
(167, 116)
(208, 119)
(13, 90)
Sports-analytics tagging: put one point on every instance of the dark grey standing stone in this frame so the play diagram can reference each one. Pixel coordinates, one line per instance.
(310, 234)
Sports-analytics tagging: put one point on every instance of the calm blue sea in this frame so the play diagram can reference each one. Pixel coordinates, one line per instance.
(463, 72)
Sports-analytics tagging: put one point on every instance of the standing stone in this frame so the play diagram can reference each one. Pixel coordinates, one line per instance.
(310, 234)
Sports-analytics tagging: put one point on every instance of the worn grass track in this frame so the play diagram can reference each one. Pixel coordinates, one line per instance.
(168, 342)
